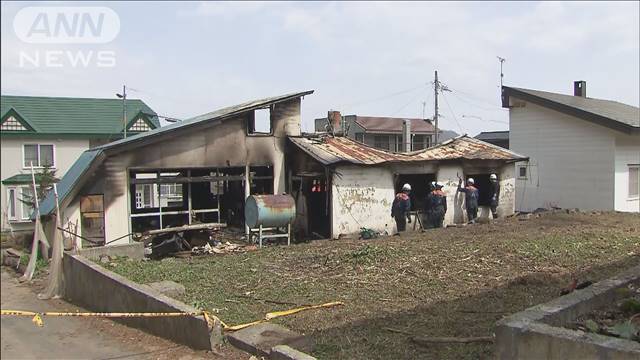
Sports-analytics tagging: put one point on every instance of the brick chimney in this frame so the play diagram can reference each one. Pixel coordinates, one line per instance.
(580, 88)
(335, 119)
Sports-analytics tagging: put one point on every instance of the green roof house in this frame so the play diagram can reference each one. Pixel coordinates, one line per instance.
(53, 132)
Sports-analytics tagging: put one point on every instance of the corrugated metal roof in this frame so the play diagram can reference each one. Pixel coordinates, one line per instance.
(74, 176)
(392, 125)
(332, 150)
(69, 181)
(62, 115)
(612, 111)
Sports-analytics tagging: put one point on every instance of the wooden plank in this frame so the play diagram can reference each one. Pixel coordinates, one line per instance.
(186, 227)
(187, 179)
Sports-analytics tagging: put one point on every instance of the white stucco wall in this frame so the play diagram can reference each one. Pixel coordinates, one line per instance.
(571, 160)
(456, 213)
(66, 152)
(627, 153)
(362, 197)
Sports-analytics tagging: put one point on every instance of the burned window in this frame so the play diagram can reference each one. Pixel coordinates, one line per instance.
(260, 122)
(92, 215)
(483, 184)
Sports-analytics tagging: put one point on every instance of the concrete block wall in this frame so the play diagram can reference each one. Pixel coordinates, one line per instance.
(97, 289)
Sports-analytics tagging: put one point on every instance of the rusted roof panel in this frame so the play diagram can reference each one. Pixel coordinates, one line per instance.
(393, 125)
(331, 150)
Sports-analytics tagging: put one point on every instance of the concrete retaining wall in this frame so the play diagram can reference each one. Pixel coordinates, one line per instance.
(97, 289)
(536, 333)
(133, 251)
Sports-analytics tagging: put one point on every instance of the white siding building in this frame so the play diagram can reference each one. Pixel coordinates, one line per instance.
(583, 153)
(53, 132)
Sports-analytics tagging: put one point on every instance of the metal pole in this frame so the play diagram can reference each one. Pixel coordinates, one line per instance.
(435, 116)
(247, 192)
(124, 109)
(189, 191)
(159, 203)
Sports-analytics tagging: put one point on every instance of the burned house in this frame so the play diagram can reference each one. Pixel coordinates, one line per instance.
(195, 171)
(342, 185)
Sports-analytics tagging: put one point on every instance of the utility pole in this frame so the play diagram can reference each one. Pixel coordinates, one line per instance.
(435, 115)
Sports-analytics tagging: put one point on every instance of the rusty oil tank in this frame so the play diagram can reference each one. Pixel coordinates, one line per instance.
(269, 210)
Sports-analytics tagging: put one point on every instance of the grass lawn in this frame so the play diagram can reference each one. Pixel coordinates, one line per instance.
(445, 282)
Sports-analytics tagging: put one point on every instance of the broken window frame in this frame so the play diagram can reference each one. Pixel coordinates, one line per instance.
(218, 175)
(251, 122)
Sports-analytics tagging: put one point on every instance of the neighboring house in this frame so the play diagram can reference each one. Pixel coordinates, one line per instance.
(384, 133)
(499, 138)
(358, 183)
(209, 164)
(54, 132)
(584, 152)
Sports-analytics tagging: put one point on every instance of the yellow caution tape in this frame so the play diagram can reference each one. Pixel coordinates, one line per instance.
(210, 319)
(275, 314)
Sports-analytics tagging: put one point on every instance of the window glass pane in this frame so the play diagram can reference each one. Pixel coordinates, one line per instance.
(12, 203)
(46, 155)
(27, 195)
(381, 142)
(30, 155)
(634, 181)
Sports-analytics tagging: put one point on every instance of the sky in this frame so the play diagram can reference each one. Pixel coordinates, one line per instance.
(365, 58)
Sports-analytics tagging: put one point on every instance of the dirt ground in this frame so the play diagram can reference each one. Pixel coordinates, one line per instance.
(444, 282)
(80, 338)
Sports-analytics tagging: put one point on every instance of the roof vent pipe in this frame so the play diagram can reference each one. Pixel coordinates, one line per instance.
(406, 134)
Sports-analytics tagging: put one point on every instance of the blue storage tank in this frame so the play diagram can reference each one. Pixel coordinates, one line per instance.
(269, 210)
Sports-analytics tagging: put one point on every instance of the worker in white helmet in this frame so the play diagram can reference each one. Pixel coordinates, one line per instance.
(437, 205)
(495, 194)
(401, 207)
(471, 198)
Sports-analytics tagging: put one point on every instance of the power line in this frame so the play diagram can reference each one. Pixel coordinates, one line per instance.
(405, 105)
(454, 114)
(384, 97)
(475, 105)
(481, 119)
(472, 97)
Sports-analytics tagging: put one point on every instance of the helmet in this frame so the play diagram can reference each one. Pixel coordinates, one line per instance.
(493, 177)
(470, 181)
(406, 187)
(433, 184)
